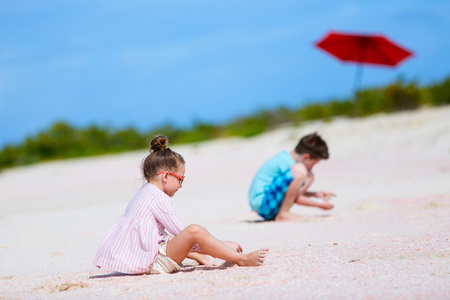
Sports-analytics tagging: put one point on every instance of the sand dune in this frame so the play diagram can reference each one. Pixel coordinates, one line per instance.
(387, 237)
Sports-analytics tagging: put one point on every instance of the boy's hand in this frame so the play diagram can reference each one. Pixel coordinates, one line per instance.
(326, 196)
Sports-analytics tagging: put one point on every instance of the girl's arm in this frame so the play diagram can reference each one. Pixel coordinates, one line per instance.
(163, 211)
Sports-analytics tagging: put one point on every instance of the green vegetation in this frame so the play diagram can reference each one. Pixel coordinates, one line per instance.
(62, 140)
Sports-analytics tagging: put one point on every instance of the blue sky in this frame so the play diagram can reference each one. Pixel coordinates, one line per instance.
(146, 63)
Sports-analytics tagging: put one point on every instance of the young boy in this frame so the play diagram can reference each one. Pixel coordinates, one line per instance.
(284, 180)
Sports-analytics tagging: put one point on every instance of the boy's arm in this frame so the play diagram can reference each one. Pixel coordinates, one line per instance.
(306, 201)
(326, 196)
(322, 194)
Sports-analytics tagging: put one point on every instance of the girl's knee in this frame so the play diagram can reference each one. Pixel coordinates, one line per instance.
(195, 230)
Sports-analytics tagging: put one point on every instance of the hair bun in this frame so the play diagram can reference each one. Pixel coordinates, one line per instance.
(159, 143)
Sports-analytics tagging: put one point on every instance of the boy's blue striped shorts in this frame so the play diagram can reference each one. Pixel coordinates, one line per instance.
(274, 195)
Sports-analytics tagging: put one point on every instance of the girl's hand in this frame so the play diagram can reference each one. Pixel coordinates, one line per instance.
(326, 196)
(233, 246)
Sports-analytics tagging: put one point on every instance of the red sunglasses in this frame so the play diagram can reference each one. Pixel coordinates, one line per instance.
(180, 178)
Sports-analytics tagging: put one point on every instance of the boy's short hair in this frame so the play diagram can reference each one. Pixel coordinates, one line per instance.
(314, 145)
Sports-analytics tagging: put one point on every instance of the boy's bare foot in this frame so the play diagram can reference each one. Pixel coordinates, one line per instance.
(287, 217)
(256, 258)
(326, 205)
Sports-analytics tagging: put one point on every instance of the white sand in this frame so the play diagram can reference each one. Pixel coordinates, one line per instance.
(388, 236)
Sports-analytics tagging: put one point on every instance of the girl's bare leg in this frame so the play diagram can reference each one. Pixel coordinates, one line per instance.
(202, 259)
(205, 259)
(178, 248)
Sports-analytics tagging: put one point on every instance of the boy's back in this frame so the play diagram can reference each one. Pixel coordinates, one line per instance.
(268, 171)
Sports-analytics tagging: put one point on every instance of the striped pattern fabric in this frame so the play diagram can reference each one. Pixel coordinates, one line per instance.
(131, 245)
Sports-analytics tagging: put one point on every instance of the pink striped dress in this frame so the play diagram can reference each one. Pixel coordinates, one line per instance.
(131, 245)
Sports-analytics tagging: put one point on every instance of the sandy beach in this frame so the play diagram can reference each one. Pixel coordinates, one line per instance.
(388, 236)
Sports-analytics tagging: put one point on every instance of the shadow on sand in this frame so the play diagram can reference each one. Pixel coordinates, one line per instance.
(184, 269)
(303, 219)
(114, 274)
(225, 265)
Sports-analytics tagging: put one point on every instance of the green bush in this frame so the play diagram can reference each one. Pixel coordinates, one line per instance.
(199, 132)
(62, 140)
(312, 112)
(401, 96)
(440, 92)
(340, 108)
(370, 101)
(246, 126)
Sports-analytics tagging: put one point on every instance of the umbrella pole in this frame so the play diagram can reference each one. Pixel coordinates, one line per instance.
(358, 76)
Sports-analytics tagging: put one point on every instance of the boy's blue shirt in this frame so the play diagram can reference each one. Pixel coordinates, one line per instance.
(265, 175)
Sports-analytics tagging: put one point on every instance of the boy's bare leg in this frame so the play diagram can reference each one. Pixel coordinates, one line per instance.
(179, 247)
(299, 173)
(308, 182)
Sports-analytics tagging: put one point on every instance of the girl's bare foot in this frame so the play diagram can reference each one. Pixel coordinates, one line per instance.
(256, 258)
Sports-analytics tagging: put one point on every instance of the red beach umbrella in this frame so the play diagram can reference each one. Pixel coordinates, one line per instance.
(371, 49)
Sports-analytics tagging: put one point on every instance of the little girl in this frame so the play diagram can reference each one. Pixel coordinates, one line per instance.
(137, 243)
